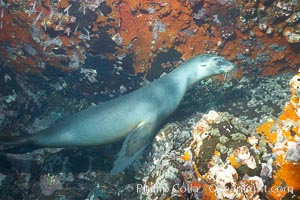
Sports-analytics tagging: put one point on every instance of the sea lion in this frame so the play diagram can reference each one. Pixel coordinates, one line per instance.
(135, 116)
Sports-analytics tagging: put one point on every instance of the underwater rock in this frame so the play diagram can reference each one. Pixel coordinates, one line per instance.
(3, 121)
(283, 134)
(62, 33)
(291, 35)
(89, 74)
(211, 166)
(198, 142)
(49, 184)
(30, 50)
(242, 155)
(199, 166)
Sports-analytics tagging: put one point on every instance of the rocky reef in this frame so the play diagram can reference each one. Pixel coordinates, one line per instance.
(224, 157)
(201, 153)
(259, 35)
(237, 139)
(283, 136)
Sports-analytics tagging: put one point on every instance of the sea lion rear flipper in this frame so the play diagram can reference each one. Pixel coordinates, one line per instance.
(13, 140)
(17, 144)
(133, 145)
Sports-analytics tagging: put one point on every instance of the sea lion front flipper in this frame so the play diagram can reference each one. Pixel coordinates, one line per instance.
(133, 145)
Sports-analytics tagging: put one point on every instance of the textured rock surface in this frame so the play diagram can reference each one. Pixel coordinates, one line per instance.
(185, 160)
(259, 35)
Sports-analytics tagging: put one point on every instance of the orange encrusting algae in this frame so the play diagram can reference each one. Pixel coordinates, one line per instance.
(17, 26)
(195, 185)
(234, 162)
(186, 156)
(63, 3)
(146, 29)
(265, 129)
(208, 193)
(287, 177)
(194, 182)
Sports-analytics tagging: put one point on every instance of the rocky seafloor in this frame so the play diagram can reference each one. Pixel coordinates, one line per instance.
(179, 164)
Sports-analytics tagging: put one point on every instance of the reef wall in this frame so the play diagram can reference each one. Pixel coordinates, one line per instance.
(261, 36)
(44, 38)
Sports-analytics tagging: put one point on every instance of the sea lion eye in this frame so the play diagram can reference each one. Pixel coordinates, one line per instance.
(220, 62)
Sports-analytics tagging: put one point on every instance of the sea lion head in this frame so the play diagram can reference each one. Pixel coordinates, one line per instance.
(214, 64)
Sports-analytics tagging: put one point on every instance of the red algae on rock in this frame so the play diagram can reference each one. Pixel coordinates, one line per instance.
(256, 35)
